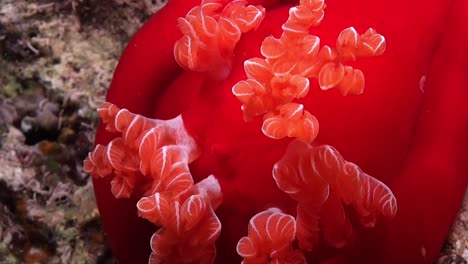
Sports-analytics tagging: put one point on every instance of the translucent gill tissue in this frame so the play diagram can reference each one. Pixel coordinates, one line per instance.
(265, 131)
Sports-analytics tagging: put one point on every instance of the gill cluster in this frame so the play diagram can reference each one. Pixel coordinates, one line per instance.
(317, 177)
(211, 32)
(289, 63)
(155, 154)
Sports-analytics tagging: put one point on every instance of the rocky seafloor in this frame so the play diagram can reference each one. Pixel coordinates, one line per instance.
(56, 62)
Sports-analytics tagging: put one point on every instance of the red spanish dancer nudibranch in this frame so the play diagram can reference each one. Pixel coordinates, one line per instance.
(211, 133)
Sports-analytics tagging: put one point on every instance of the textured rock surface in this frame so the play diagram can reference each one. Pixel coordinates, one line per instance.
(56, 62)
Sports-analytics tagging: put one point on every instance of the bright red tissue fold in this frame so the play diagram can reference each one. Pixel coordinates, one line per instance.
(300, 172)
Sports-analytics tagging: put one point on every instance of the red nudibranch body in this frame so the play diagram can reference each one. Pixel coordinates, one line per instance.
(211, 143)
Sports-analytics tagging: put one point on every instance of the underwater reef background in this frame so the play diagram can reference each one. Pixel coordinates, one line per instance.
(56, 62)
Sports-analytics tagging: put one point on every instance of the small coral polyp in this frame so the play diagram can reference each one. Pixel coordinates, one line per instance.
(153, 156)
